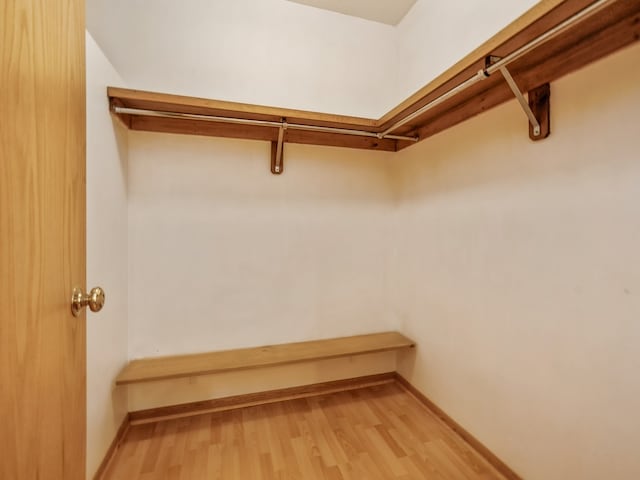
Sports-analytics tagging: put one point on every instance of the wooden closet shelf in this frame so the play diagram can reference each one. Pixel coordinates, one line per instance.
(615, 25)
(162, 368)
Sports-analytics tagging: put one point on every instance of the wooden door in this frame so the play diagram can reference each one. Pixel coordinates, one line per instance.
(42, 239)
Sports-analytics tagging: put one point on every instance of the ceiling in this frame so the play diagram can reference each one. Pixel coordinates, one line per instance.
(383, 11)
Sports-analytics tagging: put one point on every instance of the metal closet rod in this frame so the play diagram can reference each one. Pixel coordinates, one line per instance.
(259, 123)
(484, 73)
(481, 75)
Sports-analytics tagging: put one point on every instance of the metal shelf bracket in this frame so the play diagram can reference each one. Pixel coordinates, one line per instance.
(277, 151)
(522, 101)
(537, 108)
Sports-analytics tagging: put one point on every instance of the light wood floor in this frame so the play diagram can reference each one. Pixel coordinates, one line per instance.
(374, 433)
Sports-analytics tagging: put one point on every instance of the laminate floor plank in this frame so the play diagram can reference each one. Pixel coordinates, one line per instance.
(374, 433)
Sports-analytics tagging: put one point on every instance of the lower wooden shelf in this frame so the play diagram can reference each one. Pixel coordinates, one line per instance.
(162, 368)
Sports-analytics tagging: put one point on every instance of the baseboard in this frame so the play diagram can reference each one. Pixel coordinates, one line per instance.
(260, 398)
(113, 448)
(498, 464)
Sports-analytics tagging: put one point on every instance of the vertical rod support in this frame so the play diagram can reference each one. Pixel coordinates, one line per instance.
(540, 104)
(277, 151)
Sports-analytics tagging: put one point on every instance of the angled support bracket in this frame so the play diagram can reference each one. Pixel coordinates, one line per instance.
(537, 108)
(277, 151)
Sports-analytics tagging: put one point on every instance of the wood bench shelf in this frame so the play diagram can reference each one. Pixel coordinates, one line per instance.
(163, 368)
(613, 27)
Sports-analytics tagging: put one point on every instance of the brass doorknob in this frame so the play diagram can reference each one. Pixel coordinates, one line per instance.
(79, 300)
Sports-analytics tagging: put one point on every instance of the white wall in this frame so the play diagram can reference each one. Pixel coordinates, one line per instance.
(223, 254)
(518, 277)
(106, 258)
(271, 52)
(435, 35)
(275, 52)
